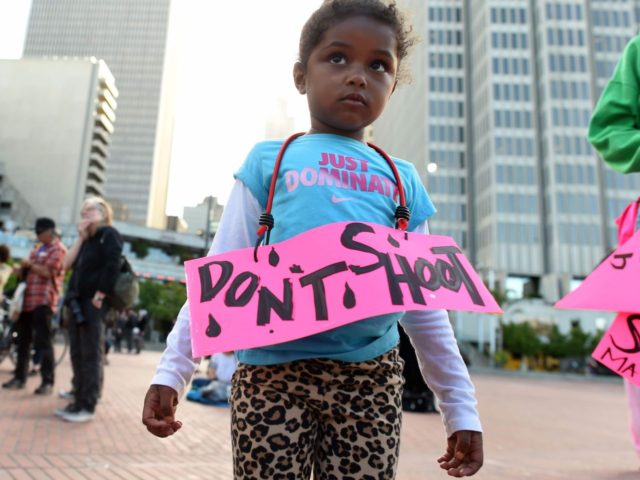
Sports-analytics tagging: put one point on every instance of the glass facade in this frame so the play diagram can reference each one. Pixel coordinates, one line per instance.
(131, 38)
(509, 89)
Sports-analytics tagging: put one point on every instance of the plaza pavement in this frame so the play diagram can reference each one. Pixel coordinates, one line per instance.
(536, 427)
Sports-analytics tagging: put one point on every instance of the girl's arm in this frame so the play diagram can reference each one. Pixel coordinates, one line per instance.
(442, 366)
(237, 229)
(613, 129)
(72, 253)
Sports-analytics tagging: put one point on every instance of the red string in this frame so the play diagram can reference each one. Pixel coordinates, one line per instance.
(402, 223)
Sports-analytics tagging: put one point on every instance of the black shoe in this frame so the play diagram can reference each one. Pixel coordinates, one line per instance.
(13, 384)
(71, 408)
(44, 389)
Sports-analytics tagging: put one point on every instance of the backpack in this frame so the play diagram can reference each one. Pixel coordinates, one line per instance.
(126, 289)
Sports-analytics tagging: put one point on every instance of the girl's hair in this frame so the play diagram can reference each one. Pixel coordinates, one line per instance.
(102, 205)
(5, 253)
(332, 12)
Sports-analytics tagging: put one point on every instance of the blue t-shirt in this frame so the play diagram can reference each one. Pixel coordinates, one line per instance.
(326, 178)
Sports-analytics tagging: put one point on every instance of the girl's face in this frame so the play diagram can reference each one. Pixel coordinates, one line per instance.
(349, 76)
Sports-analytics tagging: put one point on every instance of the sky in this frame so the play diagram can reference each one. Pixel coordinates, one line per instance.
(235, 63)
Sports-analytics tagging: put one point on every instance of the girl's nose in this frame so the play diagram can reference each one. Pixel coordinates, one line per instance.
(357, 77)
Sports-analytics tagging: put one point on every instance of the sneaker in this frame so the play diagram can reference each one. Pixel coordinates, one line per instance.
(66, 394)
(71, 408)
(13, 384)
(80, 416)
(44, 389)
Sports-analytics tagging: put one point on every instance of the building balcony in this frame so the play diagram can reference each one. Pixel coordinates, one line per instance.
(102, 121)
(106, 96)
(109, 85)
(99, 148)
(93, 187)
(96, 174)
(97, 161)
(105, 109)
(102, 135)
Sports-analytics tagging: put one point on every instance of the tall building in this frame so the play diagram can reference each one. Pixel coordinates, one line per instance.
(209, 211)
(497, 122)
(56, 121)
(136, 41)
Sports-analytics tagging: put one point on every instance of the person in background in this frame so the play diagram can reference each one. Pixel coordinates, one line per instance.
(130, 324)
(43, 273)
(95, 259)
(5, 269)
(216, 387)
(139, 329)
(614, 131)
(118, 332)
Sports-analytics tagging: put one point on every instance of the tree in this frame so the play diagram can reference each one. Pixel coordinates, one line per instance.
(578, 341)
(163, 301)
(557, 343)
(140, 248)
(521, 339)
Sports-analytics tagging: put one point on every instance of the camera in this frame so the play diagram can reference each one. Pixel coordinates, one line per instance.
(76, 310)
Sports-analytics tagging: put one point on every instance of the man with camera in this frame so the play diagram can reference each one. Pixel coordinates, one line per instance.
(43, 273)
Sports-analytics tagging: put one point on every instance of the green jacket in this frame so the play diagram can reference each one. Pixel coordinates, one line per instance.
(614, 129)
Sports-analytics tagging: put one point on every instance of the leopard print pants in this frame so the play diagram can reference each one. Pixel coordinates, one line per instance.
(340, 420)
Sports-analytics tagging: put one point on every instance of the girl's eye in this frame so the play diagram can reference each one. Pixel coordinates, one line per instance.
(379, 66)
(337, 59)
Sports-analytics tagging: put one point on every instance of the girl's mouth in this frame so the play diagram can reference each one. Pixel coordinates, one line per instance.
(355, 98)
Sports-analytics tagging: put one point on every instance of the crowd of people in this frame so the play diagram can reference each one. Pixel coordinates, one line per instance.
(82, 306)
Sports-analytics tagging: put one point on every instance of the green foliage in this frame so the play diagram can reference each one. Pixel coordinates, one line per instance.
(520, 339)
(181, 252)
(594, 339)
(140, 248)
(578, 342)
(163, 301)
(500, 358)
(556, 345)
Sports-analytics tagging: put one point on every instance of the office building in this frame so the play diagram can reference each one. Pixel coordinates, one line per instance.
(135, 38)
(56, 121)
(496, 124)
(203, 219)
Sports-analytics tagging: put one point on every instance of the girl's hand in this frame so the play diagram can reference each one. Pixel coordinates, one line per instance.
(464, 455)
(158, 412)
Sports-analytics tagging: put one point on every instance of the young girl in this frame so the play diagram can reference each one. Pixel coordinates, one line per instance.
(330, 404)
(614, 133)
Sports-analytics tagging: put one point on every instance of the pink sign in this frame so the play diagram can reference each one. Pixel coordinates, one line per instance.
(322, 279)
(619, 348)
(613, 285)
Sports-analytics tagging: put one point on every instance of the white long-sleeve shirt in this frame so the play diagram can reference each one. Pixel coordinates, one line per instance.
(429, 330)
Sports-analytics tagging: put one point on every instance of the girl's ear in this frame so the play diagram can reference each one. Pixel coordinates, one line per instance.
(395, 84)
(300, 78)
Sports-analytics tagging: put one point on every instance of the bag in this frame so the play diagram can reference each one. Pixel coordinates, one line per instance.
(126, 289)
(15, 306)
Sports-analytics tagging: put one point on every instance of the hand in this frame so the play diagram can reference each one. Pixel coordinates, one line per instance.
(158, 413)
(26, 263)
(464, 455)
(83, 228)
